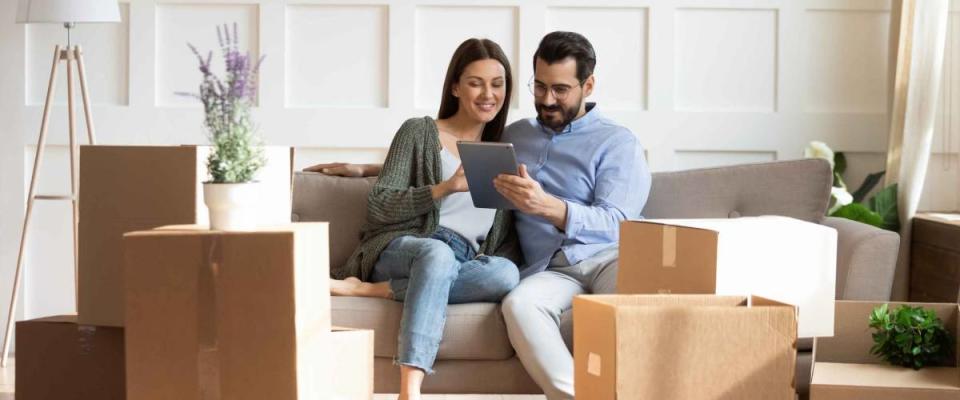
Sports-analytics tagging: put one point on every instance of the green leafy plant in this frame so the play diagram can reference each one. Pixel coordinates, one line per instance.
(880, 210)
(911, 337)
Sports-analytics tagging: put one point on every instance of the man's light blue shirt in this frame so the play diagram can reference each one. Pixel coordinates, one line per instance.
(597, 167)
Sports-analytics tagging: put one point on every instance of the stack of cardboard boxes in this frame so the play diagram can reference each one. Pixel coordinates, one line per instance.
(183, 312)
(664, 336)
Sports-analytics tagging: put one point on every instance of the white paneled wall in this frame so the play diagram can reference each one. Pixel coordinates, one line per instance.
(701, 82)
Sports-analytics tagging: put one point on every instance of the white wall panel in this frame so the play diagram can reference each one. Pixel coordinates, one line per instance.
(619, 37)
(439, 30)
(691, 159)
(847, 60)
(336, 56)
(179, 24)
(726, 60)
(49, 253)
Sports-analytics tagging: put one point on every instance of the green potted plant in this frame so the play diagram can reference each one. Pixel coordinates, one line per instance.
(237, 154)
(911, 337)
(879, 210)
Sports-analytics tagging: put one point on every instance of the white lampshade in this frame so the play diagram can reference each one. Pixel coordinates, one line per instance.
(60, 11)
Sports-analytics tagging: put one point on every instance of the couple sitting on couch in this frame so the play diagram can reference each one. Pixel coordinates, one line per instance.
(425, 244)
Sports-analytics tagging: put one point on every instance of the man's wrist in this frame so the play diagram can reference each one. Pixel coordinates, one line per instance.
(556, 212)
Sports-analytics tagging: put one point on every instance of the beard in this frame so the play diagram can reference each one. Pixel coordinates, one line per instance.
(567, 114)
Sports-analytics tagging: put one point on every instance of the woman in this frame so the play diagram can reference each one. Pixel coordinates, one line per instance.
(424, 243)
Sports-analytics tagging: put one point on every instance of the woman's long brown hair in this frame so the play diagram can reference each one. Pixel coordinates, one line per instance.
(469, 51)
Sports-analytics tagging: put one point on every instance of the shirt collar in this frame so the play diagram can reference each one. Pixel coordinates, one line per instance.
(592, 114)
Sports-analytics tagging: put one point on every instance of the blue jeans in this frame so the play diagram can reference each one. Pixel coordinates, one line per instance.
(426, 274)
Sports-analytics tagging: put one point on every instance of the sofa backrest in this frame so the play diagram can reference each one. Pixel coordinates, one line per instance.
(340, 201)
(798, 189)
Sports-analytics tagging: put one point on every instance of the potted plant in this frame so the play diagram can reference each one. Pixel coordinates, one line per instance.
(911, 337)
(237, 152)
(879, 210)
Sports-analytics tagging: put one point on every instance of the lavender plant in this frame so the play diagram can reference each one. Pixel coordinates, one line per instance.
(237, 152)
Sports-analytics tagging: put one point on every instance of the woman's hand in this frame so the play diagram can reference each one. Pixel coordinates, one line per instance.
(457, 183)
(345, 169)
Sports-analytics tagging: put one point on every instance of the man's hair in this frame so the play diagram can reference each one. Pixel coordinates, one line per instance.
(557, 46)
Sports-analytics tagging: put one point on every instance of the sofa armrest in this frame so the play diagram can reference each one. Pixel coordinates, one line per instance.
(866, 260)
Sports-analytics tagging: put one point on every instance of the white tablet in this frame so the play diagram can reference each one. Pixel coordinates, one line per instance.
(483, 161)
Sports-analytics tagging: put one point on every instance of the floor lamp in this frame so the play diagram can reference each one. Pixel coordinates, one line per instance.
(68, 13)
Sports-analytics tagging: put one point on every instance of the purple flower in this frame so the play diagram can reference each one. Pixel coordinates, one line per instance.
(227, 100)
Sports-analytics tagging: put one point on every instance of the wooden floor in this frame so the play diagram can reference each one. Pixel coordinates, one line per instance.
(6, 381)
(6, 391)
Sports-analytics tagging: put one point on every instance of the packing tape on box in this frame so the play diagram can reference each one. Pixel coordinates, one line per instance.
(593, 364)
(208, 311)
(669, 247)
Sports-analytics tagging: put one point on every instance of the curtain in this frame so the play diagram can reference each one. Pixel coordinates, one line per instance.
(918, 38)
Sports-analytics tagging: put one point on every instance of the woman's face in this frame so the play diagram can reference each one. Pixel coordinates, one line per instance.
(481, 89)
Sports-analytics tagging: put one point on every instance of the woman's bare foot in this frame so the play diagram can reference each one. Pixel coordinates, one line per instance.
(352, 286)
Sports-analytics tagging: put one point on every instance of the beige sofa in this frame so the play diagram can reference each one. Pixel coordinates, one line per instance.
(475, 355)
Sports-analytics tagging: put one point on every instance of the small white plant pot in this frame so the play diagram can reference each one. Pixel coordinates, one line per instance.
(232, 206)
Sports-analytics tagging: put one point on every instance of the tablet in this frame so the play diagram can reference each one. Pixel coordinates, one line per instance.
(483, 161)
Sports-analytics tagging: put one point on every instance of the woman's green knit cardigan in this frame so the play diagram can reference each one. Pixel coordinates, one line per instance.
(401, 202)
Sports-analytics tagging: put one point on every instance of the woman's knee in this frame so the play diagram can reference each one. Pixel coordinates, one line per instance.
(503, 281)
(435, 258)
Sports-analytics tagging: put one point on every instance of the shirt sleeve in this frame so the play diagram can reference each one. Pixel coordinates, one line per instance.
(620, 192)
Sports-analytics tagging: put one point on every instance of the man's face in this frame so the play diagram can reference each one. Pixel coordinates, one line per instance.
(558, 95)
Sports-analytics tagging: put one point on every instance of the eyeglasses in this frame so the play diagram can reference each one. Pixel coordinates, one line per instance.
(560, 92)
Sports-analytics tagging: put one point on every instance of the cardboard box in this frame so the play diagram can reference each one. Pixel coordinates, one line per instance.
(60, 359)
(229, 315)
(351, 360)
(683, 347)
(779, 258)
(843, 367)
(131, 188)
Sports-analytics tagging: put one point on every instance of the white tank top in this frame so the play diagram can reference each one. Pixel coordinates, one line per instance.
(457, 211)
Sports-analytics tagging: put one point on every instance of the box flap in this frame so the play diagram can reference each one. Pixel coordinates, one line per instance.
(595, 347)
(666, 222)
(885, 376)
(660, 300)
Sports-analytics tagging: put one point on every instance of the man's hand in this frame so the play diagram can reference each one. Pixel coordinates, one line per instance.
(345, 169)
(529, 197)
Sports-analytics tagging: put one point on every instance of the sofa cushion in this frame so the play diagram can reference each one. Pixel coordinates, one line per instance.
(340, 201)
(473, 331)
(798, 189)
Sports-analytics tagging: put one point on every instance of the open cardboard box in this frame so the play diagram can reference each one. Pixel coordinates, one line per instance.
(779, 258)
(683, 347)
(132, 188)
(843, 367)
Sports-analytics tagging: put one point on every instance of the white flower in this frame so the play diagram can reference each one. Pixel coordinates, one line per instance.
(841, 197)
(817, 149)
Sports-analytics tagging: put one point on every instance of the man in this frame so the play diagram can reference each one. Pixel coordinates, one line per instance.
(580, 175)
